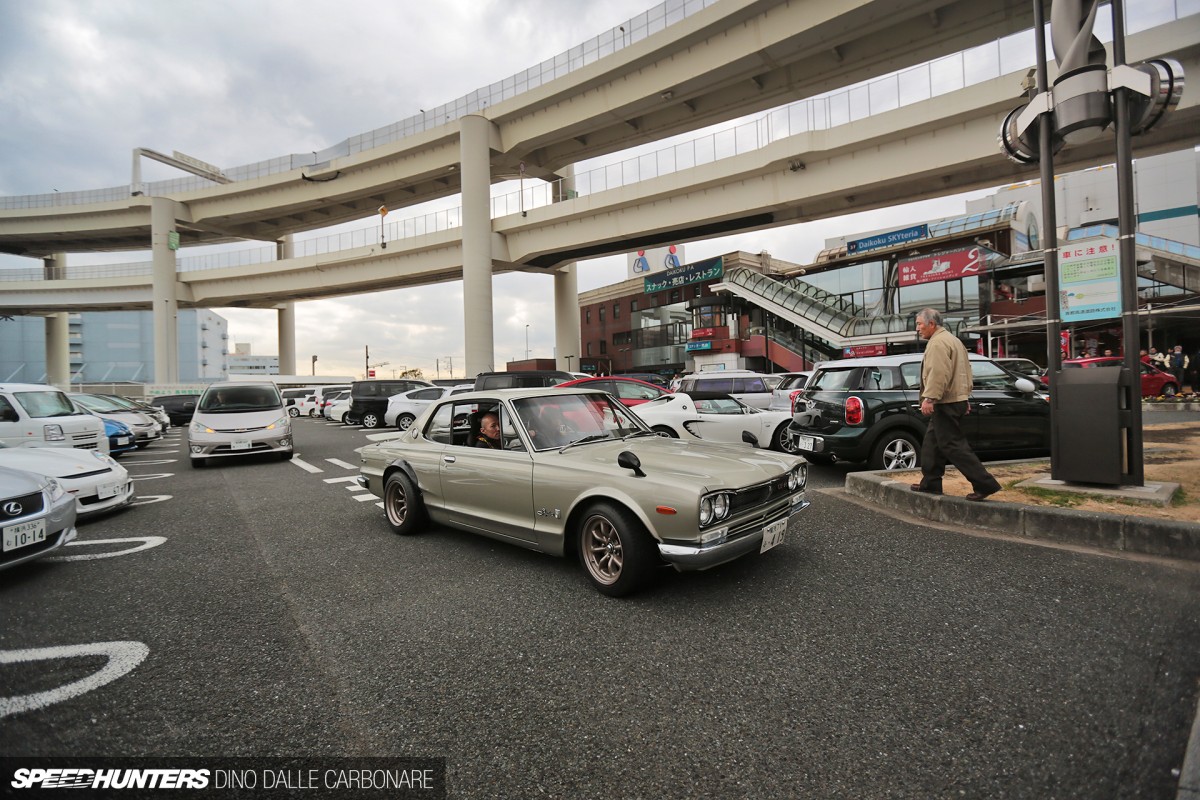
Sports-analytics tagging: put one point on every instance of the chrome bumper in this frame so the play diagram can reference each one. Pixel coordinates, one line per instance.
(686, 558)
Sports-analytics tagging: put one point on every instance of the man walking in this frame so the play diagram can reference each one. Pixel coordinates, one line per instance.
(945, 387)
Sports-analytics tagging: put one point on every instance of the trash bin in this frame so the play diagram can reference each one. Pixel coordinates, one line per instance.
(1090, 411)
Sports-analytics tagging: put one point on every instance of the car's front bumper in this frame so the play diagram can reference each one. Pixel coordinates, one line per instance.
(60, 529)
(686, 558)
(210, 446)
(91, 503)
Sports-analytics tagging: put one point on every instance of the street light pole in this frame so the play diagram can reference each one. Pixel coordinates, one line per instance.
(527, 342)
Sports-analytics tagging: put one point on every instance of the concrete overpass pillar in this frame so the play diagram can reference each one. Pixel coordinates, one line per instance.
(163, 279)
(285, 248)
(475, 158)
(58, 331)
(566, 318)
(566, 301)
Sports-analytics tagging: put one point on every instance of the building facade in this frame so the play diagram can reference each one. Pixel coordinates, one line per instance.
(116, 346)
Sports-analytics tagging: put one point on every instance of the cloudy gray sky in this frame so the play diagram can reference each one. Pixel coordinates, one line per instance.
(237, 81)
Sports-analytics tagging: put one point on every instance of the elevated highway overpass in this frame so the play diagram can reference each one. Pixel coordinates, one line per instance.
(725, 60)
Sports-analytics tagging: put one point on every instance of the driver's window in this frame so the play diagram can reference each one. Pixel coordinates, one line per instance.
(440, 427)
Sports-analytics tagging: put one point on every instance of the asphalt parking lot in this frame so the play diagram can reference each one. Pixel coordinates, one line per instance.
(263, 608)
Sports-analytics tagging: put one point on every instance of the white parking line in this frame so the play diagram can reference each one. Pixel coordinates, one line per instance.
(123, 657)
(145, 543)
(148, 499)
(337, 462)
(347, 479)
(304, 465)
(157, 461)
(362, 498)
(379, 504)
(153, 477)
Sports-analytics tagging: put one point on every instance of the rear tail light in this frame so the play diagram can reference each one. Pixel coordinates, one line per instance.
(793, 397)
(854, 411)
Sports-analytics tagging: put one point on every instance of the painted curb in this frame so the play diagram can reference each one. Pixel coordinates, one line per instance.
(1120, 532)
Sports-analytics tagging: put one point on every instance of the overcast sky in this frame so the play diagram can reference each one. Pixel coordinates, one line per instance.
(238, 81)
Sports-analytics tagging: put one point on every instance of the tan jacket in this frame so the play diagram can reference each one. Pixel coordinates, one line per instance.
(945, 370)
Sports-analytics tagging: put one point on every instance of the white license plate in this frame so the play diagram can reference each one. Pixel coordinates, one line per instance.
(805, 443)
(122, 441)
(107, 490)
(24, 534)
(773, 534)
(239, 446)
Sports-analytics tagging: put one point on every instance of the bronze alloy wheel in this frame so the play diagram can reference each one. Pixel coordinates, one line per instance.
(615, 549)
(403, 505)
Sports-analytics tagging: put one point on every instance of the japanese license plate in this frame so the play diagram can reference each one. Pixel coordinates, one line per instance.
(244, 445)
(773, 534)
(107, 490)
(805, 443)
(24, 534)
(122, 441)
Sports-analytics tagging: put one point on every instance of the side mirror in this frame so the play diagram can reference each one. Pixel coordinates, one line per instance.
(1025, 386)
(627, 460)
(749, 438)
(189, 406)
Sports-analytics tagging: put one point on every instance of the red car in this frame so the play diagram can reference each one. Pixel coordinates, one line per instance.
(1155, 381)
(630, 391)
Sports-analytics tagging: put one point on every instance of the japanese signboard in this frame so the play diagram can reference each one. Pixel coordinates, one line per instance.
(889, 239)
(699, 272)
(704, 345)
(941, 267)
(864, 350)
(1089, 281)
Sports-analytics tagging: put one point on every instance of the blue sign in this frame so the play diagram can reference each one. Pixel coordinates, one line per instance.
(699, 346)
(890, 239)
(692, 273)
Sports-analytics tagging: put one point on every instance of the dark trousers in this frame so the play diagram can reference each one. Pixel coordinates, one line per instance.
(945, 443)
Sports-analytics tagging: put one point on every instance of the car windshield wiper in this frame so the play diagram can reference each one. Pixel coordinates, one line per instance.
(635, 434)
(594, 437)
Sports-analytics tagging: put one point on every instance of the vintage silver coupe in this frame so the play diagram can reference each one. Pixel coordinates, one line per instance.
(573, 471)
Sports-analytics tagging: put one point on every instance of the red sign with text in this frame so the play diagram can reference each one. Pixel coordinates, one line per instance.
(864, 350)
(942, 267)
(703, 333)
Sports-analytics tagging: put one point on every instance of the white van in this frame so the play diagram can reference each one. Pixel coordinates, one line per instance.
(37, 415)
(314, 401)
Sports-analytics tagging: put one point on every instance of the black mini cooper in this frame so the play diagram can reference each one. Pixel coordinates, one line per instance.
(868, 410)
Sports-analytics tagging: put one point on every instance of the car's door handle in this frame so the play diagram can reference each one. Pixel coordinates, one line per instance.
(449, 459)
(984, 405)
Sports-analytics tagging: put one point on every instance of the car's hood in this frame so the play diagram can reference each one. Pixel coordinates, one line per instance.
(709, 464)
(239, 420)
(57, 462)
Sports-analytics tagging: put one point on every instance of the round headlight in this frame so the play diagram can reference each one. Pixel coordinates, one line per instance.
(706, 510)
(721, 506)
(792, 480)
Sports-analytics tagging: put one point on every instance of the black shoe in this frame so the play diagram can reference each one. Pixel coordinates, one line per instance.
(916, 487)
(976, 497)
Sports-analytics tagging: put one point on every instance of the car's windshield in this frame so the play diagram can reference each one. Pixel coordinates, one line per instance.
(49, 403)
(554, 421)
(231, 399)
(103, 405)
(832, 379)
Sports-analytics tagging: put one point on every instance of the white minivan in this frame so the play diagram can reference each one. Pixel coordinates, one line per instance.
(37, 415)
(236, 419)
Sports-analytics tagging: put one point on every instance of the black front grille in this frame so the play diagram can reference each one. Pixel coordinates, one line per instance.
(30, 549)
(29, 503)
(759, 494)
(90, 474)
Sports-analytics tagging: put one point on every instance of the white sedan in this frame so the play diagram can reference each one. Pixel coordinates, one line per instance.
(94, 479)
(405, 407)
(716, 418)
(338, 408)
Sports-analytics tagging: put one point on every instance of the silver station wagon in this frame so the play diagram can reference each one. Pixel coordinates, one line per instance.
(573, 472)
